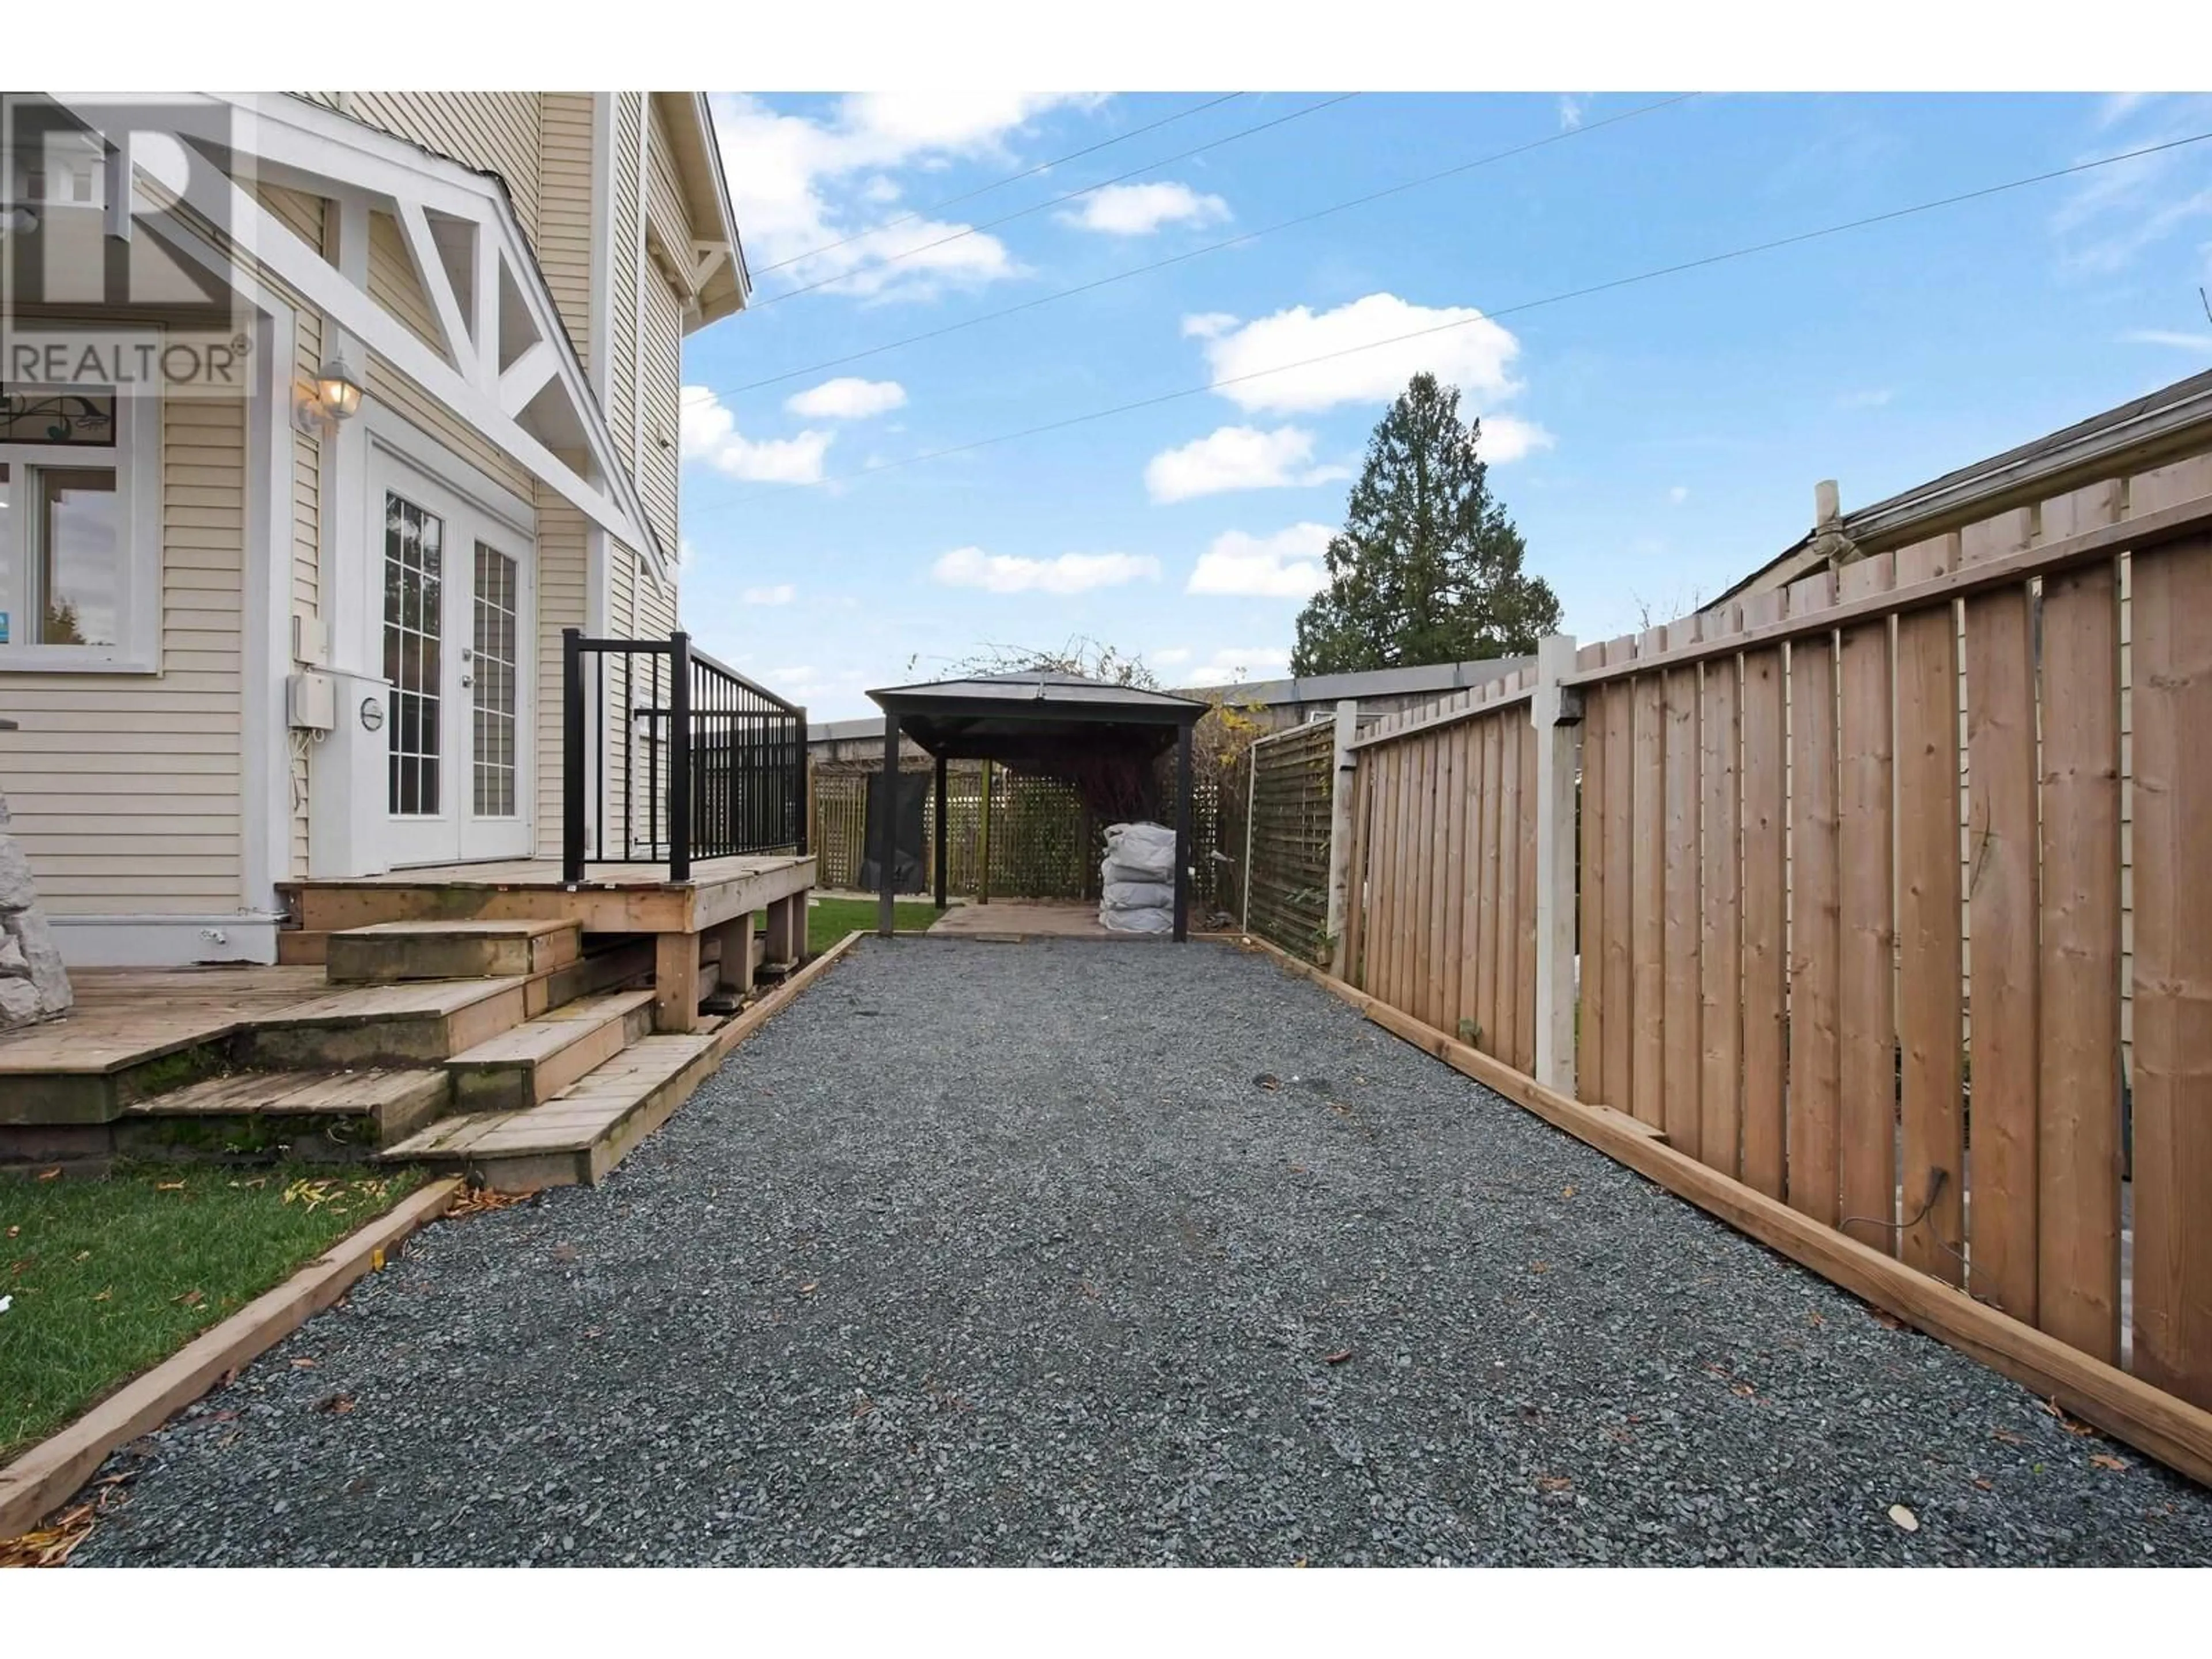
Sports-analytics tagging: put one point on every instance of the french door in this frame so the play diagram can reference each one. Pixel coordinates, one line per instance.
(458, 624)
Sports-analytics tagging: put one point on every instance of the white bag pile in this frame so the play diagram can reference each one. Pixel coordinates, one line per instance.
(1137, 894)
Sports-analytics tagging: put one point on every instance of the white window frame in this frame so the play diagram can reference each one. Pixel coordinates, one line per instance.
(135, 457)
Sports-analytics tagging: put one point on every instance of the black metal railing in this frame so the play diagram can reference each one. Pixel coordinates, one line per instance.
(667, 756)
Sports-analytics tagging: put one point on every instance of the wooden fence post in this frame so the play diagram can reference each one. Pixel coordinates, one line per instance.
(1343, 764)
(1555, 713)
(1251, 798)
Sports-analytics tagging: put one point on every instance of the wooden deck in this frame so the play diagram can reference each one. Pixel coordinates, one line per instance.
(124, 1015)
(1028, 919)
(612, 898)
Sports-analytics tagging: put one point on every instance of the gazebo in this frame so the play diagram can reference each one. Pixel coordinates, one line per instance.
(1104, 740)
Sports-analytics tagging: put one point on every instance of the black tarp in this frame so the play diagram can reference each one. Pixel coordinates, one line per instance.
(909, 869)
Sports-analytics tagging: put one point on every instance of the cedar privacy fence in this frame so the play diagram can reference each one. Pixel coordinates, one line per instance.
(1864, 878)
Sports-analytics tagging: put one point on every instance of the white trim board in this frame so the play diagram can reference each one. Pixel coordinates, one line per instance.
(165, 941)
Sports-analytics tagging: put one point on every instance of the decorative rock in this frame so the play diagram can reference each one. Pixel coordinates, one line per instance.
(33, 984)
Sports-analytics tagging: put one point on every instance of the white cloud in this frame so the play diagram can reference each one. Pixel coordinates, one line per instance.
(2117, 212)
(780, 593)
(1071, 573)
(799, 183)
(709, 435)
(2164, 337)
(1507, 438)
(1679, 493)
(1572, 106)
(848, 397)
(1237, 458)
(1169, 657)
(1140, 210)
(1456, 343)
(1287, 565)
(1204, 324)
(1233, 664)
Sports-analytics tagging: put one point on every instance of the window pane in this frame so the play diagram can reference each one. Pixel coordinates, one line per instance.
(80, 556)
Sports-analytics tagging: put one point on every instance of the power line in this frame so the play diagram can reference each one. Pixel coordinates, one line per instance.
(1211, 247)
(1508, 310)
(1051, 201)
(1000, 184)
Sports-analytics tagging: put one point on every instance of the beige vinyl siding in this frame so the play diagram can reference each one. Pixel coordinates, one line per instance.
(627, 231)
(494, 132)
(660, 377)
(304, 215)
(664, 199)
(124, 787)
(563, 578)
(564, 211)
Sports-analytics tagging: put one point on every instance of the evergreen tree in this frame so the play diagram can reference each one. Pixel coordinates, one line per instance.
(1427, 568)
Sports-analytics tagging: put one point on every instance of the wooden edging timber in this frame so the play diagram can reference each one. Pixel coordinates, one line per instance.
(45, 1477)
(2160, 1425)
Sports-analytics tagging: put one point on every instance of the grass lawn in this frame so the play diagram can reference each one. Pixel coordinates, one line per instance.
(106, 1278)
(829, 920)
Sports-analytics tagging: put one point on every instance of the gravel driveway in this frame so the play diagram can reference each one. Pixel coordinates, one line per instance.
(999, 1254)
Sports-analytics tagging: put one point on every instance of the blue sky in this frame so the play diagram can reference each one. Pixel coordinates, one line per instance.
(1653, 443)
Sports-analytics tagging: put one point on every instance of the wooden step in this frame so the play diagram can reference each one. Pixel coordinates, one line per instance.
(580, 1134)
(304, 1115)
(420, 1023)
(393, 950)
(298, 947)
(536, 1060)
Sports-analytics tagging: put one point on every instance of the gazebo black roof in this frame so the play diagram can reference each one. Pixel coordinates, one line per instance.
(1042, 720)
(1017, 717)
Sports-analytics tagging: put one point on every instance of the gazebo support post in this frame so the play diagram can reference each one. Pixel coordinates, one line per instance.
(940, 832)
(887, 846)
(1182, 833)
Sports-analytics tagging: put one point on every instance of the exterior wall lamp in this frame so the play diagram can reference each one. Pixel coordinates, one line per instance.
(335, 396)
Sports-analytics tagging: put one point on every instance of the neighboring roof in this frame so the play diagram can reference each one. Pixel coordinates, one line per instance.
(2039, 467)
(1372, 682)
(1433, 677)
(707, 197)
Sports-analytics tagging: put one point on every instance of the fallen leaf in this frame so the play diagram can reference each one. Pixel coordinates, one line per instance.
(564, 1252)
(376, 1260)
(1268, 1080)
(1555, 1482)
(168, 1186)
(808, 1288)
(2007, 1436)
(12, 1232)
(190, 1298)
(303, 1364)
(2107, 1461)
(1744, 1390)
(1904, 1519)
(105, 1294)
(2073, 1425)
(1540, 1267)
(1814, 1320)
(1986, 1485)
(54, 1174)
(336, 1404)
(1337, 1358)
(591, 1331)
(51, 1545)
(1566, 1192)
(82, 1255)
(1888, 1322)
